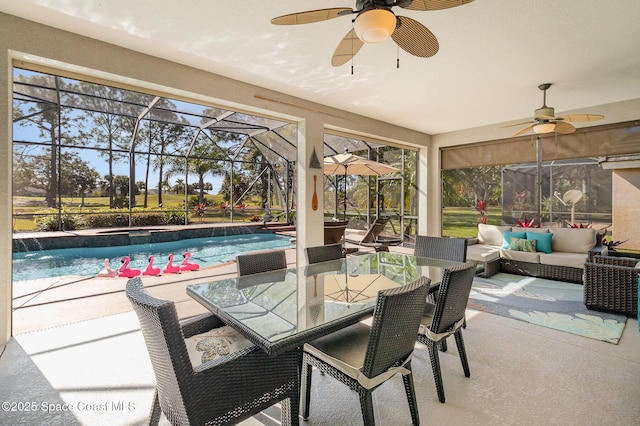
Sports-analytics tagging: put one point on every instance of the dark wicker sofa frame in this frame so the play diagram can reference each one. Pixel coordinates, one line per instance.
(539, 270)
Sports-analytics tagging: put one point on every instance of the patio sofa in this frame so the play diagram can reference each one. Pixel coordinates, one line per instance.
(560, 253)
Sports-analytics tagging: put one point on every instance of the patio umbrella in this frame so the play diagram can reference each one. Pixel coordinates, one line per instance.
(347, 163)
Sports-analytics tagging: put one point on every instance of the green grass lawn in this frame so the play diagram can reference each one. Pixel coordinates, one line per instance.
(463, 221)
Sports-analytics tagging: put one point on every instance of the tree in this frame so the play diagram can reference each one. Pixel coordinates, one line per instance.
(468, 186)
(54, 123)
(75, 175)
(167, 134)
(109, 115)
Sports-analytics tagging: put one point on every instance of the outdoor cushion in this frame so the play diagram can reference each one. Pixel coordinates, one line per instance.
(521, 244)
(214, 343)
(507, 235)
(536, 230)
(543, 241)
(482, 253)
(574, 260)
(522, 256)
(573, 240)
(491, 234)
(343, 349)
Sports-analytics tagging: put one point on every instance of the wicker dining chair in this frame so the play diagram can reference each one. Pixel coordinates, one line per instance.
(446, 317)
(454, 249)
(364, 357)
(264, 261)
(324, 253)
(223, 390)
(611, 284)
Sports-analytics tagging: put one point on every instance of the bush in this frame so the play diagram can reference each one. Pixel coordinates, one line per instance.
(107, 220)
(147, 219)
(69, 221)
(173, 218)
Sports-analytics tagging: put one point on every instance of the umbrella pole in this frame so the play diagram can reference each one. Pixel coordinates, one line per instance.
(344, 198)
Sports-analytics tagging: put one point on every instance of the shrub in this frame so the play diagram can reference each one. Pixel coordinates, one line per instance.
(69, 222)
(173, 218)
(146, 219)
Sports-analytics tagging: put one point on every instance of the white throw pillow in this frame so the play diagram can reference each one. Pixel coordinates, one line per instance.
(491, 234)
(215, 343)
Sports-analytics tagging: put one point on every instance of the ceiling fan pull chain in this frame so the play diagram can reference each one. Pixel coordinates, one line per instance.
(397, 56)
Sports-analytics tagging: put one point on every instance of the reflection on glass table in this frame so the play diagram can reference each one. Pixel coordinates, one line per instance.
(281, 310)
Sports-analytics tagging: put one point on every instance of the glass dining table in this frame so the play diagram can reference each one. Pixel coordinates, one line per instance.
(281, 310)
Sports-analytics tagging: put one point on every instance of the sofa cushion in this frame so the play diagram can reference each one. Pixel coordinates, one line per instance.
(522, 244)
(522, 256)
(491, 234)
(574, 260)
(482, 253)
(507, 235)
(543, 240)
(573, 240)
(537, 230)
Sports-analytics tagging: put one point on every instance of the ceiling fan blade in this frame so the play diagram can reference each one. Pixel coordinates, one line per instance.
(347, 49)
(424, 5)
(523, 131)
(311, 16)
(415, 38)
(582, 118)
(517, 124)
(564, 128)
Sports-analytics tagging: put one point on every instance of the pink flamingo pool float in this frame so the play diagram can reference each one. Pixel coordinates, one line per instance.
(125, 271)
(151, 270)
(188, 266)
(107, 272)
(170, 268)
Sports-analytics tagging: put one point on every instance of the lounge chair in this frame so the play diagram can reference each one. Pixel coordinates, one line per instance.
(333, 232)
(372, 237)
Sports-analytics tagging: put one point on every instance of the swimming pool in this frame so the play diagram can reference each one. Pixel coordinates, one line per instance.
(89, 261)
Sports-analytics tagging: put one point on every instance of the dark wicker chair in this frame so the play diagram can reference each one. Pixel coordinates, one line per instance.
(324, 253)
(454, 249)
(384, 347)
(224, 390)
(611, 284)
(264, 261)
(446, 317)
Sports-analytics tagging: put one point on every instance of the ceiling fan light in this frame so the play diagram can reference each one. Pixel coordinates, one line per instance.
(544, 127)
(375, 25)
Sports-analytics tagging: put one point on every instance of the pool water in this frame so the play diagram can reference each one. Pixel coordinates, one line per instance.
(89, 261)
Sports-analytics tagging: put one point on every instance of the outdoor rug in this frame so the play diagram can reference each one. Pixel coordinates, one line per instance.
(547, 303)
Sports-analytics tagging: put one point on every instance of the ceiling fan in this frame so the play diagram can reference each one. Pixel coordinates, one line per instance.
(374, 23)
(544, 120)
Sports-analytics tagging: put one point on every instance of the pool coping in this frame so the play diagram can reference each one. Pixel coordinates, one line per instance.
(104, 237)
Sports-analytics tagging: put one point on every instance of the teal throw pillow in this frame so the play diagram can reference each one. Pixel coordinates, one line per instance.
(543, 243)
(520, 244)
(507, 235)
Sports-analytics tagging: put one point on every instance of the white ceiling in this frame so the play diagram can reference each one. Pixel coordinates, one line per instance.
(493, 53)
